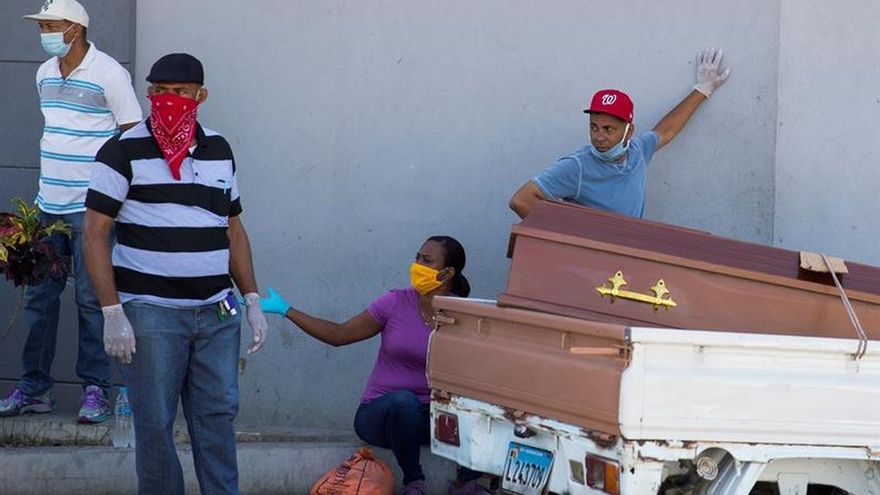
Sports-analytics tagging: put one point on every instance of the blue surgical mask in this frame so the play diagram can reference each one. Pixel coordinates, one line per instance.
(614, 153)
(54, 43)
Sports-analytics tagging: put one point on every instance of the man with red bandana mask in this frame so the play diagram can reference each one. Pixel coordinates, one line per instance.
(170, 315)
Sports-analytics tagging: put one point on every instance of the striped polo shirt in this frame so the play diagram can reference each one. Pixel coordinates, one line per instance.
(171, 247)
(81, 113)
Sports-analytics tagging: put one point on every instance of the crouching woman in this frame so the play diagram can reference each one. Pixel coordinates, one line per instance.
(394, 411)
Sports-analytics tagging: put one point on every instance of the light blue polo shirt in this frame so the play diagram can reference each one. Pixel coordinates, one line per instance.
(584, 179)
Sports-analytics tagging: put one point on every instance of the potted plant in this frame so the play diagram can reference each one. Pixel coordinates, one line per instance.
(27, 255)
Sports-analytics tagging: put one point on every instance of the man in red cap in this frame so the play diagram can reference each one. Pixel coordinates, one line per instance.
(610, 172)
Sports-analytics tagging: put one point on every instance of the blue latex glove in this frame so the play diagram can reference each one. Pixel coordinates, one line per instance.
(274, 303)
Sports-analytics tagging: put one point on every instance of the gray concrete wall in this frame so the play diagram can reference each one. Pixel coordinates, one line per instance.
(361, 128)
(111, 30)
(828, 154)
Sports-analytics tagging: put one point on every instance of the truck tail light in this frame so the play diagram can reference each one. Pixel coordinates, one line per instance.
(446, 429)
(603, 475)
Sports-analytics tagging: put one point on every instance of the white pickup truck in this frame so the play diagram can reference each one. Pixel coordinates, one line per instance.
(570, 406)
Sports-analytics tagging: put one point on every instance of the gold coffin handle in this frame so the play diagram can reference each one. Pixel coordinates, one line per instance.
(661, 297)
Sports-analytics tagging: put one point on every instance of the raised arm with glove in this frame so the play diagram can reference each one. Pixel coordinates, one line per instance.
(710, 77)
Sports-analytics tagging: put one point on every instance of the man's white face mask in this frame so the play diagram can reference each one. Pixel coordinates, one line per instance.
(615, 152)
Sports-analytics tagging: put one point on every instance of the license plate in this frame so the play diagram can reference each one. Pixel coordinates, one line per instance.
(526, 469)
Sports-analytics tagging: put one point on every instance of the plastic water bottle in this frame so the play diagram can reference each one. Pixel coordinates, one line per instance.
(123, 432)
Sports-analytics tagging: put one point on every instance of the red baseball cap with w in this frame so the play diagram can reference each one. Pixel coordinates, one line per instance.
(612, 102)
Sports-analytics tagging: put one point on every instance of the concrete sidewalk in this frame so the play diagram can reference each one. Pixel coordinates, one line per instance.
(52, 454)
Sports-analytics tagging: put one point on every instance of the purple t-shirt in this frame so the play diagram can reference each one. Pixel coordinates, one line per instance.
(403, 353)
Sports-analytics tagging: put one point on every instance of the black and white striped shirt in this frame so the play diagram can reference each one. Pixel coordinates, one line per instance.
(172, 246)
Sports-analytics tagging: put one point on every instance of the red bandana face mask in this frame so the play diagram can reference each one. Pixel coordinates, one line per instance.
(173, 122)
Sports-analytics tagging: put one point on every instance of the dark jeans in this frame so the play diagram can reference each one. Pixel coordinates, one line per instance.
(41, 313)
(398, 421)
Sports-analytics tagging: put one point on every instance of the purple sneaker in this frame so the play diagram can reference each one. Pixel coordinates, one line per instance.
(469, 488)
(95, 406)
(415, 488)
(18, 403)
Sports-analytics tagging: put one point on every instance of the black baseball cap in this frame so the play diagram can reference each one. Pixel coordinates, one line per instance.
(178, 68)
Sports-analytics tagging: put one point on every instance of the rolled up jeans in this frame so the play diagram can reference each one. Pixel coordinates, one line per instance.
(189, 354)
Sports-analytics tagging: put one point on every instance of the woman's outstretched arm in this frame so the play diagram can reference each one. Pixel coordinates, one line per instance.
(359, 328)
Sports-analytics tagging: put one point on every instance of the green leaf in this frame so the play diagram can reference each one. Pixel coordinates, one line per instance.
(57, 227)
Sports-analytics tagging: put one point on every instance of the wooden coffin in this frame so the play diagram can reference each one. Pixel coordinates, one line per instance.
(525, 361)
(571, 260)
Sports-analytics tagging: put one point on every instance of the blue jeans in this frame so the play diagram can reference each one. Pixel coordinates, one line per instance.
(398, 421)
(192, 355)
(41, 312)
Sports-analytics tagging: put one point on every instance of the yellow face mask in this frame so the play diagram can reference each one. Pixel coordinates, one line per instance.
(424, 278)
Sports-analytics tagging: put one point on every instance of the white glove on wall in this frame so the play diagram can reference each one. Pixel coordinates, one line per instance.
(708, 76)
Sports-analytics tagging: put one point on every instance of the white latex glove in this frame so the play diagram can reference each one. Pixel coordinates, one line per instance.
(118, 334)
(257, 321)
(709, 74)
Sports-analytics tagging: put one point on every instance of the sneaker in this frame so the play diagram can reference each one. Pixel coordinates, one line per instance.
(415, 488)
(18, 403)
(469, 488)
(95, 406)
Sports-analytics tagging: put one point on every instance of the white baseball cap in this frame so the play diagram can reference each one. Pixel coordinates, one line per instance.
(59, 10)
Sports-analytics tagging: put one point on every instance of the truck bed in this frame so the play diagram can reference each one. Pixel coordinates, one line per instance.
(659, 383)
(530, 362)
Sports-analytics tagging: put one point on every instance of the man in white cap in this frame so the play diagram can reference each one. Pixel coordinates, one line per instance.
(86, 97)
(610, 172)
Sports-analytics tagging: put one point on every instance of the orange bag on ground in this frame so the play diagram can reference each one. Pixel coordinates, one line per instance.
(361, 474)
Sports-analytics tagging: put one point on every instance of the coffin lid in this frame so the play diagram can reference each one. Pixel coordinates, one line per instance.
(566, 222)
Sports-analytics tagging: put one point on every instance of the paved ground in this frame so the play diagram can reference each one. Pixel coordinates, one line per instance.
(51, 454)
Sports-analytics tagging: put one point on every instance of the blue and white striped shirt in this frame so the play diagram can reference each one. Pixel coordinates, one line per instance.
(81, 112)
